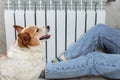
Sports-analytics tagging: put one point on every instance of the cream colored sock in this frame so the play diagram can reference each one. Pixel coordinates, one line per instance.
(59, 59)
(63, 57)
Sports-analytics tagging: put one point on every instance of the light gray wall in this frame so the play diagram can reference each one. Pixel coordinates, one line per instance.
(113, 14)
(112, 19)
(2, 29)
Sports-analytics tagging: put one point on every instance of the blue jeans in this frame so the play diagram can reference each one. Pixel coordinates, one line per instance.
(82, 60)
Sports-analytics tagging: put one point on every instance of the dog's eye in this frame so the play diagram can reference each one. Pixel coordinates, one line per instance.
(37, 30)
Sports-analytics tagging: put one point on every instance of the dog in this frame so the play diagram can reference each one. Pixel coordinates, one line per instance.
(24, 60)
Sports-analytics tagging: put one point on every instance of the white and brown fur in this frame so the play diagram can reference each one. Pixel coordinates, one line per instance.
(24, 60)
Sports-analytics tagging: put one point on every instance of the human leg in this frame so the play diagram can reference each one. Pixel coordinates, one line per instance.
(94, 63)
(99, 36)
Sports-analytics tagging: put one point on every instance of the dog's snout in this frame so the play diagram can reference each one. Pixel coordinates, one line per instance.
(48, 27)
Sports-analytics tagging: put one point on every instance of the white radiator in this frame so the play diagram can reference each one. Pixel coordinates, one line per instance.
(68, 20)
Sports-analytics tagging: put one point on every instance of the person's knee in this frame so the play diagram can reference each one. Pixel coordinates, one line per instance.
(100, 26)
(95, 62)
(91, 58)
(95, 56)
(101, 29)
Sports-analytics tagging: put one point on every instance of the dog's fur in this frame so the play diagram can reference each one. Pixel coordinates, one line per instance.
(24, 60)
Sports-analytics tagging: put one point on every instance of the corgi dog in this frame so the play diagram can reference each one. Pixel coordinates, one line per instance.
(24, 60)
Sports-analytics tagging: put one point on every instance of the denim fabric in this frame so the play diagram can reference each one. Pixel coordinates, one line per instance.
(81, 60)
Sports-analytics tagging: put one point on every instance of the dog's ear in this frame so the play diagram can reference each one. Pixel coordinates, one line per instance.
(24, 39)
(18, 28)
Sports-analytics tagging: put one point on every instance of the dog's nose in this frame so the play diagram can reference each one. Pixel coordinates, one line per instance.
(48, 27)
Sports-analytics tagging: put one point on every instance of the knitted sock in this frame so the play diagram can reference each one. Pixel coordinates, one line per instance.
(56, 59)
(59, 59)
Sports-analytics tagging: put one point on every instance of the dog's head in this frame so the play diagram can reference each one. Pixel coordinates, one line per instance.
(32, 35)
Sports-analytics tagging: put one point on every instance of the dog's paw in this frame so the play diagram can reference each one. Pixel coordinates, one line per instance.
(42, 75)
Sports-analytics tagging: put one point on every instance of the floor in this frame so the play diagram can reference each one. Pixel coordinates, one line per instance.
(83, 78)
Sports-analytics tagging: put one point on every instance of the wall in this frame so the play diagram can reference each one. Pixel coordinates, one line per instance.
(2, 28)
(113, 14)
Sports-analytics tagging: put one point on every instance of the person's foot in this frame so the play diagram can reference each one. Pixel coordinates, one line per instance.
(63, 57)
(59, 59)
